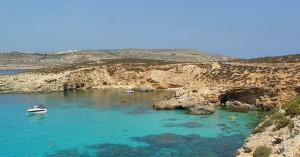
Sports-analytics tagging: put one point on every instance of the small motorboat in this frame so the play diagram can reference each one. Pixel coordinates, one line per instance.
(129, 91)
(38, 109)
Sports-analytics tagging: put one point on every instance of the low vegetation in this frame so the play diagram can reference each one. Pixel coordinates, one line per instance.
(129, 64)
(262, 151)
(279, 59)
(293, 107)
(50, 59)
(278, 119)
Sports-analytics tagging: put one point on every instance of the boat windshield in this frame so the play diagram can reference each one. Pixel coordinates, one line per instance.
(41, 106)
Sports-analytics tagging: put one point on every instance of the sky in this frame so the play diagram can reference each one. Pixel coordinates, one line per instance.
(240, 28)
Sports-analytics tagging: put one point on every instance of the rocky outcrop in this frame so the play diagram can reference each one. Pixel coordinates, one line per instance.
(243, 85)
(251, 97)
(175, 103)
(284, 142)
(205, 108)
(190, 104)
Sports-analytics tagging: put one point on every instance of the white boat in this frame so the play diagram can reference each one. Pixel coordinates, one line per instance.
(37, 109)
(129, 91)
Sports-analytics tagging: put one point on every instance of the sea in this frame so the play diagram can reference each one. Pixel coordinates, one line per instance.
(6, 72)
(112, 123)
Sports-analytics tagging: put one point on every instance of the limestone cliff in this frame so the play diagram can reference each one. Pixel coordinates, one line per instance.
(250, 85)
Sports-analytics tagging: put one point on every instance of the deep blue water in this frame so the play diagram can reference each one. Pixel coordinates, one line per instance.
(6, 72)
(112, 123)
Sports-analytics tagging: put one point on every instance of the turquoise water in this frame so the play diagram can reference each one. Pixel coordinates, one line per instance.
(112, 123)
(6, 72)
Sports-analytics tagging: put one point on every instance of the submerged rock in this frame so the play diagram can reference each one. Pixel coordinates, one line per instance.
(143, 89)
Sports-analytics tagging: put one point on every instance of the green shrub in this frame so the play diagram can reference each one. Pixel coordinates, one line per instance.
(280, 120)
(293, 107)
(263, 126)
(273, 111)
(262, 151)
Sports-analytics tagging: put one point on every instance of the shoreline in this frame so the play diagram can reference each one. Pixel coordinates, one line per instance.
(242, 85)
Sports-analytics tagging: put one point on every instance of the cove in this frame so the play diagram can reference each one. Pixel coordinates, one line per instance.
(110, 122)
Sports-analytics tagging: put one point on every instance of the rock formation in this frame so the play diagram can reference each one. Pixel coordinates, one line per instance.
(284, 142)
(205, 108)
(238, 84)
(259, 83)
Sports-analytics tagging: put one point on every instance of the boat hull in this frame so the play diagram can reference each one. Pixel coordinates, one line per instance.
(37, 110)
(129, 91)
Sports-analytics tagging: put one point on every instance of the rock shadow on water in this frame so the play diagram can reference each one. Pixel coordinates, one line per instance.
(167, 145)
(87, 105)
(224, 127)
(138, 111)
(186, 125)
(69, 153)
(93, 104)
(252, 125)
(235, 109)
(171, 119)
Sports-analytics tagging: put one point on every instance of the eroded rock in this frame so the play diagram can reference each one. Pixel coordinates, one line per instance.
(206, 108)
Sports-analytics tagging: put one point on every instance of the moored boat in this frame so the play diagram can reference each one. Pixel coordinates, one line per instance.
(129, 91)
(38, 109)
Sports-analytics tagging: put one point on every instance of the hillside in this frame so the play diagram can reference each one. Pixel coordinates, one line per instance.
(17, 60)
(294, 58)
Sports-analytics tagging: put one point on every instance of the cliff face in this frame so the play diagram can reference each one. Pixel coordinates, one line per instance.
(234, 83)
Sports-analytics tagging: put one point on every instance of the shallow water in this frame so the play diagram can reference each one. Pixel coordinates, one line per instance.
(110, 122)
(6, 72)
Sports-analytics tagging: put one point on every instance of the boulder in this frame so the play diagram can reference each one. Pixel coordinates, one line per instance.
(166, 104)
(203, 109)
(174, 103)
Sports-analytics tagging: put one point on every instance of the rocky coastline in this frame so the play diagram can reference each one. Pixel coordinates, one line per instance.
(279, 133)
(200, 87)
(234, 83)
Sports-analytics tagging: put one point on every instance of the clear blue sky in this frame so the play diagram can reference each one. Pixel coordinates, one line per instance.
(242, 28)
